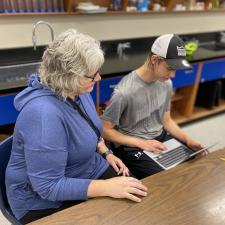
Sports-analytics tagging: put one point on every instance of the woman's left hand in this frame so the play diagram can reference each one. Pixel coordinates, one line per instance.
(117, 165)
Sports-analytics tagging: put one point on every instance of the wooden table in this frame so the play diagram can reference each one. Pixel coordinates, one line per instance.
(190, 194)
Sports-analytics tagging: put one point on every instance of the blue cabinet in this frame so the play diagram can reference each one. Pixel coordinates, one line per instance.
(8, 113)
(213, 70)
(106, 88)
(185, 77)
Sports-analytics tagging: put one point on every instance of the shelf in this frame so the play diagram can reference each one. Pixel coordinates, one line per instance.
(200, 112)
(109, 13)
(3, 137)
(35, 14)
(176, 97)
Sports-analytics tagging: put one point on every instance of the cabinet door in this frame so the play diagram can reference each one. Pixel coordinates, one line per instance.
(213, 70)
(8, 113)
(185, 77)
(106, 88)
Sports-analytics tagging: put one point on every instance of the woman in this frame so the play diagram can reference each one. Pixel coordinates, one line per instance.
(56, 155)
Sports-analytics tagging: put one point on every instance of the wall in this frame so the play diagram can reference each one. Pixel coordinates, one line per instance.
(15, 31)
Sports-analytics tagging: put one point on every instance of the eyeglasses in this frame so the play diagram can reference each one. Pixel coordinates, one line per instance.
(92, 77)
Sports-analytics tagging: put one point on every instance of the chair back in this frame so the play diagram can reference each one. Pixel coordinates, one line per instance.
(5, 151)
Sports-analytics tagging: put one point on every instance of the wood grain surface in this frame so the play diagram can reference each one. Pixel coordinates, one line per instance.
(190, 194)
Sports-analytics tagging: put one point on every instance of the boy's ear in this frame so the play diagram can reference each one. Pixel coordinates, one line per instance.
(153, 58)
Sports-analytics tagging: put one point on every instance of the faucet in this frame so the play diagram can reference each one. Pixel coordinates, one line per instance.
(120, 49)
(34, 39)
(222, 37)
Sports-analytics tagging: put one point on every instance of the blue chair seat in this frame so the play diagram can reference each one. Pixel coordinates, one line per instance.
(5, 151)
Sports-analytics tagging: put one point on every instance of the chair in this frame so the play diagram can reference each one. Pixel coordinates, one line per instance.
(5, 150)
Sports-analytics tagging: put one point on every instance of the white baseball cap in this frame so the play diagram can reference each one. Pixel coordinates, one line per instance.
(171, 48)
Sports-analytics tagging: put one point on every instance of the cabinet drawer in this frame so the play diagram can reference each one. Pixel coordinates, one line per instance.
(213, 70)
(106, 88)
(185, 77)
(8, 113)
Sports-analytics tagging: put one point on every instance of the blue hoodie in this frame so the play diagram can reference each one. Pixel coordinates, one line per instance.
(54, 154)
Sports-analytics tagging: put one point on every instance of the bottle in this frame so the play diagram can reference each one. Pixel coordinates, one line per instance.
(13, 6)
(142, 5)
(36, 7)
(21, 6)
(117, 5)
(55, 5)
(61, 6)
(131, 5)
(49, 5)
(6, 6)
(1, 7)
(215, 4)
(43, 7)
(29, 6)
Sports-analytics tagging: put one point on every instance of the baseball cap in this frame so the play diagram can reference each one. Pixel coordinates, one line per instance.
(172, 48)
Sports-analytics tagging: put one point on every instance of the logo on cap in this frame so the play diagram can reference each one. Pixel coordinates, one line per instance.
(181, 51)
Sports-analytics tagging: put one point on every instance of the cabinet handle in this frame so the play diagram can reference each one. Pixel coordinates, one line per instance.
(112, 86)
(188, 71)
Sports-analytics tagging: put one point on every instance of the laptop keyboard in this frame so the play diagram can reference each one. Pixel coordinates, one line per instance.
(174, 156)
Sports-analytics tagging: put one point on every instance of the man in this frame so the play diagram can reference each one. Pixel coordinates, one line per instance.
(138, 116)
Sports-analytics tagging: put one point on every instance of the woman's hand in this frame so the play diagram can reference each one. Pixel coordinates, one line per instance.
(117, 165)
(125, 187)
(115, 162)
(118, 187)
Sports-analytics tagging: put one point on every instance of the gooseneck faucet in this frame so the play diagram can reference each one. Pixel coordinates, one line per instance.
(34, 39)
(120, 49)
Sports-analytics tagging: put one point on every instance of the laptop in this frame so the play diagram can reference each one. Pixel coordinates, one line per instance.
(175, 154)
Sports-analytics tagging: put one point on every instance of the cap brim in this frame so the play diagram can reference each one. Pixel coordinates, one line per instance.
(177, 64)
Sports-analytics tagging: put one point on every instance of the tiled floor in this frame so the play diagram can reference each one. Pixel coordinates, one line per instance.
(208, 131)
(205, 131)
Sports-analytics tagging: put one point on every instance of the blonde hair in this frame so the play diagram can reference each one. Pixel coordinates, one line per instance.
(71, 56)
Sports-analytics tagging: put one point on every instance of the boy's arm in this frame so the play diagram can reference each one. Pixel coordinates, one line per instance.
(171, 127)
(111, 134)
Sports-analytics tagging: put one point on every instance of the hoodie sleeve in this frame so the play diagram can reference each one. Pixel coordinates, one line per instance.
(46, 152)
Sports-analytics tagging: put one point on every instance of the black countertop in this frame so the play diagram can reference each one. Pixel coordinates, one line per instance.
(203, 54)
(114, 65)
(132, 58)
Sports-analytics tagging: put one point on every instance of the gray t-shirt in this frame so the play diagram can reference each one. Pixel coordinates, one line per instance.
(136, 107)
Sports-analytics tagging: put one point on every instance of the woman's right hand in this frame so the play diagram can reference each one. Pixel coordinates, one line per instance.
(118, 187)
(125, 187)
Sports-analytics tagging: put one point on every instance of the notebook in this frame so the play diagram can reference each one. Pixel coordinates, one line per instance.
(175, 154)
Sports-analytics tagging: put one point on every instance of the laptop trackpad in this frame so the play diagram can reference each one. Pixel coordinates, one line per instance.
(171, 144)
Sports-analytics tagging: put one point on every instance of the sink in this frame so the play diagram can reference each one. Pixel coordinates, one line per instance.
(214, 46)
(17, 56)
